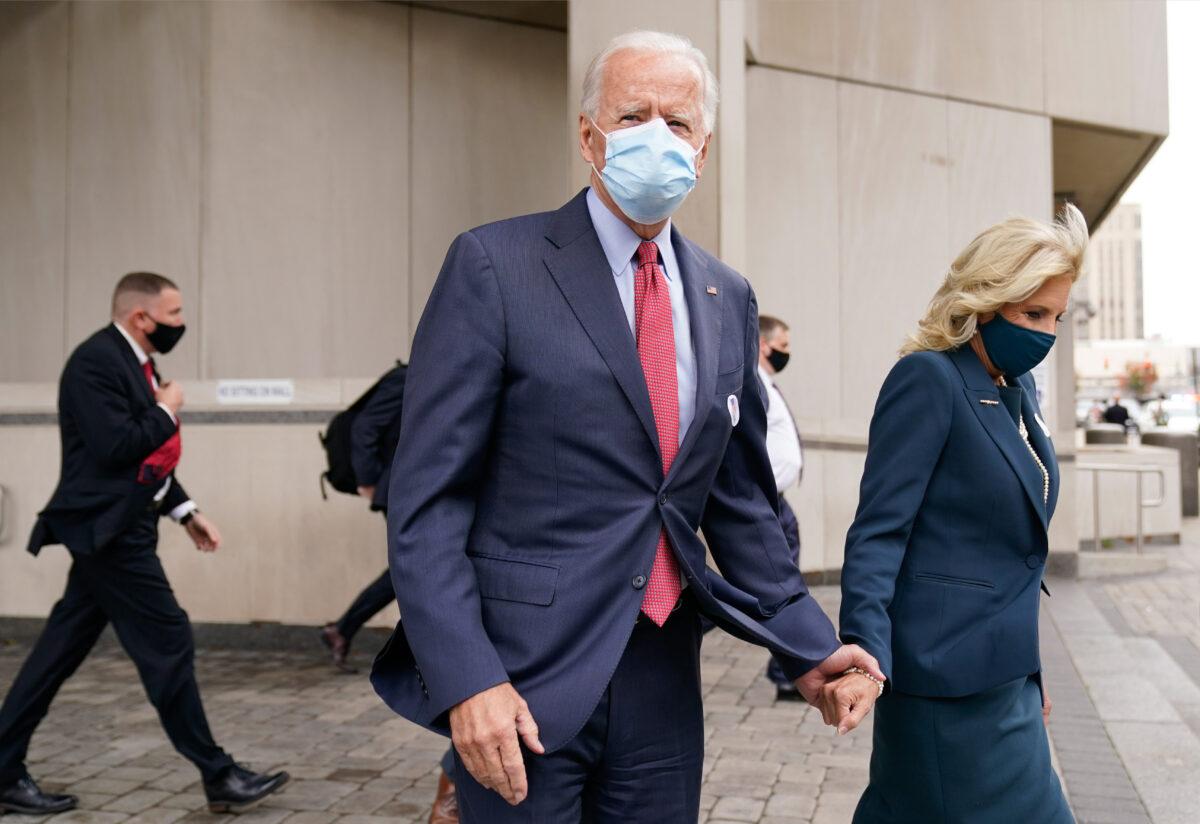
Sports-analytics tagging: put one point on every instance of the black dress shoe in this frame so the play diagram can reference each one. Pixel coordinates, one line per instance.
(237, 789)
(789, 693)
(27, 798)
(338, 647)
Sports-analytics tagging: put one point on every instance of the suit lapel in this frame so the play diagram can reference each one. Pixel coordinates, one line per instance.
(704, 311)
(581, 271)
(984, 400)
(133, 368)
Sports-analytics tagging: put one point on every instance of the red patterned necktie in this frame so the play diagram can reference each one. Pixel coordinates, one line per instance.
(656, 349)
(163, 460)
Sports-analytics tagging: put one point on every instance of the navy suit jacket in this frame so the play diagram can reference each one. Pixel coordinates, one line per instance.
(946, 555)
(375, 433)
(527, 493)
(109, 423)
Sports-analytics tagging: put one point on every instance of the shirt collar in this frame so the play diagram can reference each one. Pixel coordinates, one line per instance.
(142, 357)
(620, 243)
(765, 377)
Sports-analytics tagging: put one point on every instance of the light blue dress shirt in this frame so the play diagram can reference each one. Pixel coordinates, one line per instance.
(620, 245)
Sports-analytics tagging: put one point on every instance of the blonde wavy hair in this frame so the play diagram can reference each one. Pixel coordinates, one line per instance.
(1006, 263)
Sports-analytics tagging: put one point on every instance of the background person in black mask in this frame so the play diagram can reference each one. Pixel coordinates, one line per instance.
(120, 445)
(786, 451)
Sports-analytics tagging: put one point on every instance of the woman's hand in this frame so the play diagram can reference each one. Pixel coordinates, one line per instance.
(845, 702)
(1046, 705)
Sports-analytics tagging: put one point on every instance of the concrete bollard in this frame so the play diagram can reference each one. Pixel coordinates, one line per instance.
(1185, 443)
(1107, 433)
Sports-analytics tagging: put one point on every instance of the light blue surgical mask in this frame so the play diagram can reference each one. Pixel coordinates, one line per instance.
(648, 170)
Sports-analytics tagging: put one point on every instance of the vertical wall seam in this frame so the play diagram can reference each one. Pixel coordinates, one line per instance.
(411, 319)
(839, 161)
(203, 119)
(66, 247)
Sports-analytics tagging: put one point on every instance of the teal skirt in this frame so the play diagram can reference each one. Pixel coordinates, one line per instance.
(982, 759)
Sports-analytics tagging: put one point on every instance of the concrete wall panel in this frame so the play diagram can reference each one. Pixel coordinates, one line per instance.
(33, 196)
(1106, 63)
(29, 458)
(993, 51)
(134, 161)
(487, 141)
(792, 227)
(894, 219)
(306, 207)
(999, 168)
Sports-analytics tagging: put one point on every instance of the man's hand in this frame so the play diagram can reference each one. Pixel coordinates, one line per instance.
(1046, 705)
(846, 701)
(485, 730)
(203, 533)
(847, 656)
(170, 394)
(367, 492)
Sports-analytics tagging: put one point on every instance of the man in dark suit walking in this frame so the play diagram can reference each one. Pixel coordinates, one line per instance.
(121, 443)
(582, 399)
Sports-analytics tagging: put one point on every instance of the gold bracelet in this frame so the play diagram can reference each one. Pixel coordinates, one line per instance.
(869, 676)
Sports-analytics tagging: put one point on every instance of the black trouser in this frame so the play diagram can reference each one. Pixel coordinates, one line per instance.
(124, 584)
(370, 601)
(791, 528)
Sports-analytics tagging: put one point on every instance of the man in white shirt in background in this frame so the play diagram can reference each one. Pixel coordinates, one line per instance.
(786, 453)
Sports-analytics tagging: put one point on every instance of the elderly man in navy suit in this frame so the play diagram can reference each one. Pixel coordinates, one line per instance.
(582, 401)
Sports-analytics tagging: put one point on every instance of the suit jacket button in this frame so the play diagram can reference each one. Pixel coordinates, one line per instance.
(638, 581)
(1033, 561)
(662, 499)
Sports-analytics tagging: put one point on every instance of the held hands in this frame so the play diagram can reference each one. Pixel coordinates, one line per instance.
(203, 533)
(170, 394)
(844, 700)
(487, 730)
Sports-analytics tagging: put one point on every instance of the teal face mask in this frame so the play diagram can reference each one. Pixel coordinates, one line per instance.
(648, 170)
(1014, 350)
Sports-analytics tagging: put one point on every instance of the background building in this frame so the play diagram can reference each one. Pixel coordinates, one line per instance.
(300, 169)
(1112, 289)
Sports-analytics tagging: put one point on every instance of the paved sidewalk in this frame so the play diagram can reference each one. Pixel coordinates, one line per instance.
(354, 762)
(1130, 752)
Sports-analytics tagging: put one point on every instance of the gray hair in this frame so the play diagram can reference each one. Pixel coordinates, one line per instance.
(659, 43)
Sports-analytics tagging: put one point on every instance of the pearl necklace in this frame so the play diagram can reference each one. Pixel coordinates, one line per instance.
(1033, 452)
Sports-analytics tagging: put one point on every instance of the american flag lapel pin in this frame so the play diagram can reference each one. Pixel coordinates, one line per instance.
(712, 290)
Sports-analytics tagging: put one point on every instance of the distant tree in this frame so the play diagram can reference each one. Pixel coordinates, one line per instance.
(1139, 378)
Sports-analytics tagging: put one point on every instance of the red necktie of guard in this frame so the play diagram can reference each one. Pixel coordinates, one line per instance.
(160, 464)
(656, 349)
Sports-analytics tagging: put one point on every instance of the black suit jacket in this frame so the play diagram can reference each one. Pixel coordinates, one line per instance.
(109, 423)
(375, 433)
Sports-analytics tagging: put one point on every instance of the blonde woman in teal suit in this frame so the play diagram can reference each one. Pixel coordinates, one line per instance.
(945, 558)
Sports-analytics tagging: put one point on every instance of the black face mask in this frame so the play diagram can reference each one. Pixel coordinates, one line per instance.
(778, 359)
(164, 337)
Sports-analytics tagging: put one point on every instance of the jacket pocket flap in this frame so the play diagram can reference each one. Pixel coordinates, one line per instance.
(505, 579)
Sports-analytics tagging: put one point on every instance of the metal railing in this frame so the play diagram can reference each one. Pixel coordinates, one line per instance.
(1138, 471)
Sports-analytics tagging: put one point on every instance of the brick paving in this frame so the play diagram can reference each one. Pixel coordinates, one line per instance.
(1134, 730)
(353, 762)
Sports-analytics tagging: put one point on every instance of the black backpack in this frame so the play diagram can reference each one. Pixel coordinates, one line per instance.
(336, 441)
